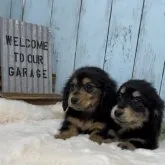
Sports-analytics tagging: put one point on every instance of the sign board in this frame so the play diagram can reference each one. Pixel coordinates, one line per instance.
(25, 54)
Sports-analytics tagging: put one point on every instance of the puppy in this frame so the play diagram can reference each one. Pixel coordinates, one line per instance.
(138, 115)
(87, 97)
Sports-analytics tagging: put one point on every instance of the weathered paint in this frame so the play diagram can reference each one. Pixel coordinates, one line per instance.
(38, 11)
(64, 24)
(150, 54)
(92, 35)
(5, 7)
(126, 41)
(122, 39)
(16, 9)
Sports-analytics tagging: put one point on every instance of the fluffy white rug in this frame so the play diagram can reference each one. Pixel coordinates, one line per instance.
(26, 138)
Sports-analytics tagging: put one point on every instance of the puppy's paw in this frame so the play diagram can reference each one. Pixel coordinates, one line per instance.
(109, 140)
(63, 135)
(96, 138)
(126, 145)
(60, 136)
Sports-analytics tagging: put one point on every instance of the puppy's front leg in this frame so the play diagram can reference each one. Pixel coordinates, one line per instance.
(96, 132)
(132, 144)
(67, 130)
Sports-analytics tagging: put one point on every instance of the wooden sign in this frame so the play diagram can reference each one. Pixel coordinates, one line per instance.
(25, 53)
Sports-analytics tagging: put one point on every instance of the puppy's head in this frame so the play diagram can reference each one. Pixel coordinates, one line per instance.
(138, 102)
(85, 89)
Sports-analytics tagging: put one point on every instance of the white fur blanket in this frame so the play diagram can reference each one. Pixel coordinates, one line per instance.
(26, 138)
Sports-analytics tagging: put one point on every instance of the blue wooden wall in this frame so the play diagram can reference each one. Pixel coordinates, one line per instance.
(125, 37)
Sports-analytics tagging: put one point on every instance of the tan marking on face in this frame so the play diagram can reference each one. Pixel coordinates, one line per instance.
(86, 80)
(74, 81)
(132, 119)
(72, 131)
(123, 90)
(136, 94)
(87, 101)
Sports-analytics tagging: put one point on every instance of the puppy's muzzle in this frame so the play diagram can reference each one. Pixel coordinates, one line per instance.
(74, 100)
(117, 112)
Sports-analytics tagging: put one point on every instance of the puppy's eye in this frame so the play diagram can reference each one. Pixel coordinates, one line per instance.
(138, 100)
(89, 88)
(72, 87)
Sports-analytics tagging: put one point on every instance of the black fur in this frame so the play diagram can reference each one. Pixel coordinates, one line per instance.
(107, 101)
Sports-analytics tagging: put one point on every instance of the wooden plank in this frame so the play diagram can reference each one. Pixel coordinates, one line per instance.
(65, 18)
(43, 102)
(30, 96)
(92, 35)
(38, 12)
(37, 99)
(162, 87)
(122, 39)
(150, 52)
(5, 6)
(16, 9)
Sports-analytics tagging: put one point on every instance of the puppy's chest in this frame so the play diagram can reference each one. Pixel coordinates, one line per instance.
(86, 125)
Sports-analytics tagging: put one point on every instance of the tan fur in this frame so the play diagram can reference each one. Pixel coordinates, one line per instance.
(87, 101)
(86, 80)
(95, 137)
(136, 94)
(67, 134)
(123, 90)
(133, 119)
(86, 125)
(97, 126)
(99, 139)
(74, 81)
(75, 121)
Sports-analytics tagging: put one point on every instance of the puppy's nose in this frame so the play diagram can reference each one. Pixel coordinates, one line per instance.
(118, 113)
(74, 100)
(121, 106)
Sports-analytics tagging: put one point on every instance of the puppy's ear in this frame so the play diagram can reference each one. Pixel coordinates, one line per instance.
(109, 97)
(65, 95)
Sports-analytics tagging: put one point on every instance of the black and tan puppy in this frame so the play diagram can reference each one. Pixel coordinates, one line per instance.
(87, 97)
(138, 115)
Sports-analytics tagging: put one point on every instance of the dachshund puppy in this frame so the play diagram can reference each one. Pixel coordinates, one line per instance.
(138, 115)
(87, 97)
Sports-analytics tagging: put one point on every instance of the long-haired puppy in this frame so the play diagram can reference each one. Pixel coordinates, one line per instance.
(138, 115)
(87, 96)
